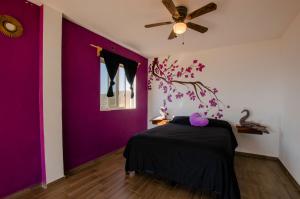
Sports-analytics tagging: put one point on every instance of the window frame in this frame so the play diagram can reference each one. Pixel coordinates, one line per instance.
(117, 91)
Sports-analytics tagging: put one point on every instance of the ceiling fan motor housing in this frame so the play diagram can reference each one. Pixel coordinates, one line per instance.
(182, 10)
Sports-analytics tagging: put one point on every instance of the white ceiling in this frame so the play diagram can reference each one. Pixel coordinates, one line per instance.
(234, 22)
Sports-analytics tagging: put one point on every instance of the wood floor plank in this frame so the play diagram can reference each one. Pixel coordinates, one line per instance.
(106, 179)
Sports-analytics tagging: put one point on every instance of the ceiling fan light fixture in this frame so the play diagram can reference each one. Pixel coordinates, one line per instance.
(179, 28)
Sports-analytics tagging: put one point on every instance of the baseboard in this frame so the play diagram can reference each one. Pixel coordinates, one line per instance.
(22, 192)
(289, 175)
(286, 171)
(91, 163)
(252, 155)
(34, 187)
(54, 182)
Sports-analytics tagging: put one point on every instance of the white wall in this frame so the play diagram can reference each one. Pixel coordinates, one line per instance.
(290, 139)
(52, 101)
(247, 76)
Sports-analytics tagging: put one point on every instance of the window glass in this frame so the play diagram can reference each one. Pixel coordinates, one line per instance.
(122, 92)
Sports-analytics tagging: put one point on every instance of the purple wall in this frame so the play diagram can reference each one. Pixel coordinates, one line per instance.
(89, 133)
(20, 163)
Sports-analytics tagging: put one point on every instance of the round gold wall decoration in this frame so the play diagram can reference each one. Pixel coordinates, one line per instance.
(10, 26)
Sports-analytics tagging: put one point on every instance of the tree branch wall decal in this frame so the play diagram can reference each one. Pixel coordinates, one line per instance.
(171, 79)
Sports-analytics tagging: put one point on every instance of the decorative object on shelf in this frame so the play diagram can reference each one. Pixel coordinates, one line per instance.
(179, 82)
(163, 118)
(10, 26)
(163, 112)
(250, 127)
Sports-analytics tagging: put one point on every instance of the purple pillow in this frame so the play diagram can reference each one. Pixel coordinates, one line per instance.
(197, 120)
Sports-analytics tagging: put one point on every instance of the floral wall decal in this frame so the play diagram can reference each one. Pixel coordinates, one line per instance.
(178, 82)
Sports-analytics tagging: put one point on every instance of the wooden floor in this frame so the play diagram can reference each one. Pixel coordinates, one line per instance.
(258, 179)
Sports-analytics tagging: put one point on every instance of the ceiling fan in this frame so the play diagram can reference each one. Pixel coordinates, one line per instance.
(180, 16)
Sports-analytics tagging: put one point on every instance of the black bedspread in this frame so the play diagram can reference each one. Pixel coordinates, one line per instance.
(198, 157)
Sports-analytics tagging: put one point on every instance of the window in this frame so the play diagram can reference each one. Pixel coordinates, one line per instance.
(122, 92)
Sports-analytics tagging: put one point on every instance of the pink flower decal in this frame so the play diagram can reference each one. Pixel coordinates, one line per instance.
(180, 82)
(169, 98)
(201, 106)
(219, 115)
(192, 95)
(165, 88)
(189, 69)
(200, 67)
(161, 84)
(179, 74)
(179, 95)
(203, 93)
(213, 102)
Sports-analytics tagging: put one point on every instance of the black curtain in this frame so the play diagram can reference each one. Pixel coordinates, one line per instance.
(112, 62)
(130, 72)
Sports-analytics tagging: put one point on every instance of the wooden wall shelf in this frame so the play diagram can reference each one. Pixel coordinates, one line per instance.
(160, 122)
(247, 130)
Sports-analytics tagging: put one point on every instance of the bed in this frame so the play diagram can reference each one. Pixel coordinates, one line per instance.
(201, 158)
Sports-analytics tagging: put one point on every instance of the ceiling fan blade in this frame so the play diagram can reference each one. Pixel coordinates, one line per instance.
(172, 35)
(171, 7)
(201, 11)
(197, 27)
(158, 24)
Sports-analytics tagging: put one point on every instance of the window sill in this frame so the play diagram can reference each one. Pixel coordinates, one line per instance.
(116, 109)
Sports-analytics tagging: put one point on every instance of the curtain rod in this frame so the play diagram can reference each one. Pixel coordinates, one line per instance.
(99, 49)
